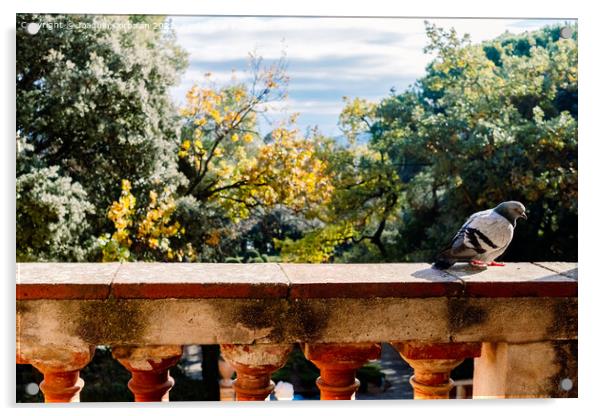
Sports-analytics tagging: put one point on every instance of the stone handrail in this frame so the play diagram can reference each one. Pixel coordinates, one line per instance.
(519, 322)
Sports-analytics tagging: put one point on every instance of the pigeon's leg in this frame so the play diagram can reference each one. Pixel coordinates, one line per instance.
(478, 263)
(495, 263)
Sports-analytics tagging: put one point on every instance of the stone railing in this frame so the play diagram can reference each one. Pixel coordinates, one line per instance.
(519, 322)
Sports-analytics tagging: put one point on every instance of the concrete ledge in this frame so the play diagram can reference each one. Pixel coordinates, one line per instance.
(78, 305)
(519, 280)
(199, 280)
(65, 280)
(292, 281)
(406, 280)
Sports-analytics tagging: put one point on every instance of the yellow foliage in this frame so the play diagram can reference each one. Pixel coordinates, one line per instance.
(214, 238)
(285, 171)
(121, 213)
(144, 230)
(198, 146)
(239, 172)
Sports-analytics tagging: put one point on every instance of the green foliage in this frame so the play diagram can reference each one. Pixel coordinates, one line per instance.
(489, 122)
(316, 246)
(515, 133)
(370, 373)
(233, 260)
(93, 101)
(51, 216)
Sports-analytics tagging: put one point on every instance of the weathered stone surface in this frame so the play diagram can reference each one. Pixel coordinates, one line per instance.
(512, 319)
(530, 370)
(274, 355)
(338, 363)
(369, 280)
(528, 309)
(199, 280)
(142, 358)
(566, 269)
(245, 321)
(60, 364)
(433, 363)
(417, 350)
(291, 281)
(65, 280)
(58, 357)
(515, 280)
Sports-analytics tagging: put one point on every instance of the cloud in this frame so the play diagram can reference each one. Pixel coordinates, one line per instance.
(327, 57)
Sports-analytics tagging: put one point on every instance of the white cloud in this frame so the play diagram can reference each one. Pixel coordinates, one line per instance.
(327, 57)
(306, 106)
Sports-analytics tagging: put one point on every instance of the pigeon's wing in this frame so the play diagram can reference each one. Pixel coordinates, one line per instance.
(492, 231)
(483, 234)
(469, 243)
(461, 246)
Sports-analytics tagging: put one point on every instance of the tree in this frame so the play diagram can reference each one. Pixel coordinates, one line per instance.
(93, 105)
(489, 122)
(495, 127)
(51, 216)
(366, 197)
(235, 176)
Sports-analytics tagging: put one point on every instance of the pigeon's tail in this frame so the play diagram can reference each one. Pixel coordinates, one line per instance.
(443, 264)
(444, 260)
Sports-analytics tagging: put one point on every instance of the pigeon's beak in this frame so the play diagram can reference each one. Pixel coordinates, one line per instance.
(523, 215)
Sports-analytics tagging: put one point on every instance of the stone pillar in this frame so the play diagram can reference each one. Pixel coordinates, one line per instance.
(433, 363)
(530, 370)
(254, 365)
(338, 364)
(60, 366)
(149, 367)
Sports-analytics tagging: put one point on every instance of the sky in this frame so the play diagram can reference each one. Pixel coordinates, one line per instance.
(327, 58)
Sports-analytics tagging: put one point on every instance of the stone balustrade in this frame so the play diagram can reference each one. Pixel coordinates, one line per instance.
(518, 322)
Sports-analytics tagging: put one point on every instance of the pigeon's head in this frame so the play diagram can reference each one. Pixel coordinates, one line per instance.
(512, 210)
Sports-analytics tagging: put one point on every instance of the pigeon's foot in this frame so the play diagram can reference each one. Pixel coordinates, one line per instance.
(478, 264)
(495, 263)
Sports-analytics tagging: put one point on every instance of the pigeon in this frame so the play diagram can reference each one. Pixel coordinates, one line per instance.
(483, 237)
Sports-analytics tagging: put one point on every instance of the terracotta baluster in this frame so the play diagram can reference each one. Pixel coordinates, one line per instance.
(149, 367)
(338, 364)
(254, 365)
(433, 363)
(60, 367)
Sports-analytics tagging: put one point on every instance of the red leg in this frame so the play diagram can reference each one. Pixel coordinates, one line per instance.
(477, 263)
(495, 263)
